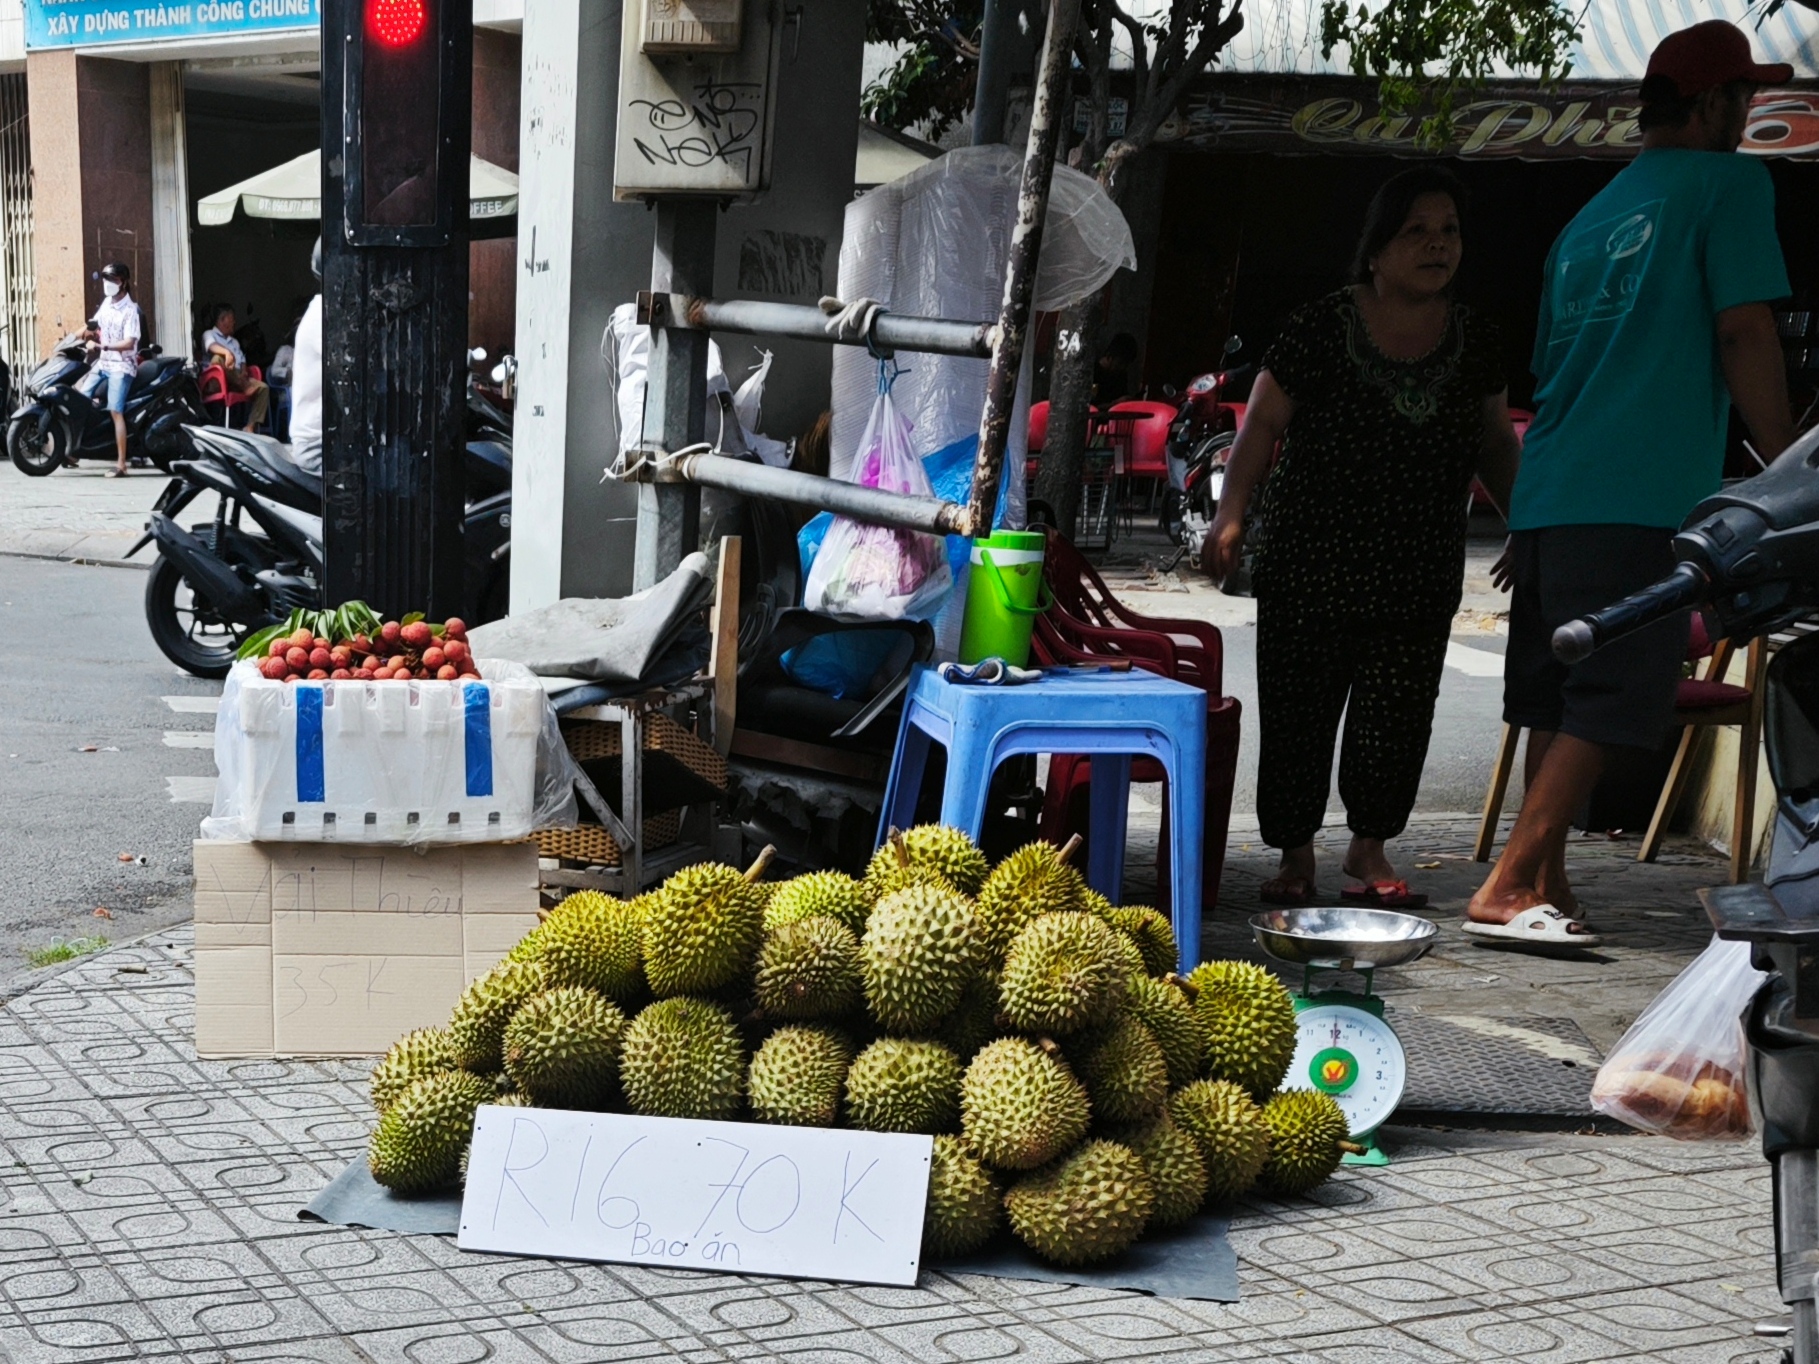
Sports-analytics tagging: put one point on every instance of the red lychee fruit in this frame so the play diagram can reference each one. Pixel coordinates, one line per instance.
(275, 669)
(448, 672)
(361, 644)
(434, 658)
(318, 674)
(321, 658)
(279, 648)
(456, 651)
(454, 628)
(417, 635)
(341, 675)
(364, 674)
(302, 639)
(390, 631)
(297, 656)
(341, 655)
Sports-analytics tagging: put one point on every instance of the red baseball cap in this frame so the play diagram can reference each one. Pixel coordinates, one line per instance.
(1711, 54)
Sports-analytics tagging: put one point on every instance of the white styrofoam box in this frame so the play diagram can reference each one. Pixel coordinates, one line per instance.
(377, 762)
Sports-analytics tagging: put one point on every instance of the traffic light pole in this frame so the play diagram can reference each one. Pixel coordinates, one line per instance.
(669, 508)
(394, 351)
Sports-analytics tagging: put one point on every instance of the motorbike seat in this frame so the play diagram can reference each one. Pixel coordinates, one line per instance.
(150, 371)
(268, 462)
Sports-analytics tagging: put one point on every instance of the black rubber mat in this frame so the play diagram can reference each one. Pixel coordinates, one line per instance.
(1539, 1067)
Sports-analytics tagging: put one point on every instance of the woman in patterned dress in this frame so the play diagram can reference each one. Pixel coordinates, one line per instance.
(1386, 397)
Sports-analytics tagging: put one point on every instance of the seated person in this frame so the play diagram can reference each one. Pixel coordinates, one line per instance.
(220, 348)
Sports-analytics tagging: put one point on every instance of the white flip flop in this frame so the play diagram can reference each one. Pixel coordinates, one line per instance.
(1539, 926)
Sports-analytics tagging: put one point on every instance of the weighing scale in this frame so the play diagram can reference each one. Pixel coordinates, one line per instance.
(1344, 1045)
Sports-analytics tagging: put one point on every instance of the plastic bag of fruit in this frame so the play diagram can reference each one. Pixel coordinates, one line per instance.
(337, 726)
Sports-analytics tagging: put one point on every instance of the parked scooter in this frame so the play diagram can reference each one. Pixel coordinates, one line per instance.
(60, 424)
(261, 556)
(1750, 557)
(1199, 446)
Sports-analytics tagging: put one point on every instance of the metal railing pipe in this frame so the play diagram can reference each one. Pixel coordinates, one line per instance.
(889, 331)
(870, 505)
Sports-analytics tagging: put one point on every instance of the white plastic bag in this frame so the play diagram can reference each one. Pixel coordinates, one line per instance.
(880, 572)
(1682, 1070)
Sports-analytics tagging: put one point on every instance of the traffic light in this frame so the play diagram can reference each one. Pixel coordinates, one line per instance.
(396, 143)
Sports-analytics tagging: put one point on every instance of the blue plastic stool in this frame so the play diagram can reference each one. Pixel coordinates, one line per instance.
(1113, 716)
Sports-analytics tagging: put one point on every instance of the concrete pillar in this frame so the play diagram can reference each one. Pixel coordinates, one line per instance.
(170, 207)
(92, 182)
(492, 265)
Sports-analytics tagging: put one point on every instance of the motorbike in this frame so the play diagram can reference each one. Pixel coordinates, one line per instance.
(60, 424)
(260, 556)
(1749, 557)
(1200, 442)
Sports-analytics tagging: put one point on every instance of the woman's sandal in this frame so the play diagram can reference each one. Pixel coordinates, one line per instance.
(1383, 895)
(1283, 894)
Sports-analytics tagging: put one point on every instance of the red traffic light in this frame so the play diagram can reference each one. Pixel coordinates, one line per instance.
(396, 23)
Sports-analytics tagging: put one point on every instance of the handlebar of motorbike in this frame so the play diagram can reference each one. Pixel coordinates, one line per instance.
(1579, 639)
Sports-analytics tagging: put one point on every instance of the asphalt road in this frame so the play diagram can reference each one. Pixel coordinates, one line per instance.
(78, 671)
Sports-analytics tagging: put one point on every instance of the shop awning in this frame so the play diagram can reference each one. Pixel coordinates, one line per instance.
(294, 190)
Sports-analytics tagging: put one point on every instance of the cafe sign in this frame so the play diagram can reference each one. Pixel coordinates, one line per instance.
(1339, 115)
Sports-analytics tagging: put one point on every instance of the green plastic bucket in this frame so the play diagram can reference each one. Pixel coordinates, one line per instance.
(1003, 597)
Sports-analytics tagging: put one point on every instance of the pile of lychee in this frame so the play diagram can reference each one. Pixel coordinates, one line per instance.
(417, 651)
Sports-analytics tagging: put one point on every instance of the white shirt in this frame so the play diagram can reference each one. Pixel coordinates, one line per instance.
(117, 319)
(306, 387)
(212, 338)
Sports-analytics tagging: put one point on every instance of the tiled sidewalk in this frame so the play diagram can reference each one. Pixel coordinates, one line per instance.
(151, 1199)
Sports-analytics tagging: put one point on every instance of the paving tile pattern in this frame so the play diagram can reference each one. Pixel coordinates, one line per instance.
(150, 1205)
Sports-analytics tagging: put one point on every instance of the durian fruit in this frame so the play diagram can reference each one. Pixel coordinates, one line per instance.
(1123, 1070)
(1063, 972)
(1096, 904)
(1033, 881)
(1249, 1020)
(796, 1076)
(476, 1030)
(974, 1021)
(1233, 1138)
(1306, 1129)
(423, 1052)
(899, 1085)
(829, 893)
(1020, 1106)
(809, 968)
(530, 946)
(596, 942)
(918, 953)
(562, 1047)
(421, 1138)
(891, 870)
(1088, 1207)
(965, 1204)
(1151, 931)
(1176, 1168)
(682, 1058)
(1161, 1007)
(703, 926)
(949, 853)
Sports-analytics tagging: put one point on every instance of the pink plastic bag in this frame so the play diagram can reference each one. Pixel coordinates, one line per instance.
(880, 572)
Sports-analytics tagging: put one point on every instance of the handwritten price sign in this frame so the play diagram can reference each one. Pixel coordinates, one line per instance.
(807, 1202)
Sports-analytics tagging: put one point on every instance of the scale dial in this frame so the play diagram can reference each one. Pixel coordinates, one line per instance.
(1352, 1055)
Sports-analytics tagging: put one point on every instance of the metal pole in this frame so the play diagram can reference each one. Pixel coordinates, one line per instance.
(870, 505)
(889, 331)
(993, 84)
(669, 513)
(1025, 254)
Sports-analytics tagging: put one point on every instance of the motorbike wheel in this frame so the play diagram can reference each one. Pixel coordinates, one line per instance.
(185, 626)
(1171, 521)
(35, 455)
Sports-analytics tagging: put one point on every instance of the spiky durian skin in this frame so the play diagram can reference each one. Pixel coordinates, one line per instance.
(421, 1138)
(1151, 931)
(809, 969)
(1031, 882)
(886, 874)
(1305, 1128)
(1176, 1168)
(1123, 1070)
(682, 1058)
(949, 853)
(796, 1076)
(423, 1052)
(1162, 1008)
(701, 930)
(1020, 1107)
(918, 953)
(965, 1204)
(596, 942)
(1234, 1140)
(1063, 972)
(1089, 1207)
(830, 893)
(974, 1021)
(562, 1047)
(476, 1029)
(1249, 1021)
(900, 1085)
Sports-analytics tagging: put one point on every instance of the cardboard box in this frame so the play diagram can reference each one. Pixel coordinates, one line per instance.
(324, 949)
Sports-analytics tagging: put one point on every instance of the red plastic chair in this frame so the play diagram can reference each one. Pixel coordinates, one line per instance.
(1080, 593)
(215, 392)
(1038, 433)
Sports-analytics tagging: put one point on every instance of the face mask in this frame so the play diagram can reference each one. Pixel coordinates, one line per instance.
(109, 288)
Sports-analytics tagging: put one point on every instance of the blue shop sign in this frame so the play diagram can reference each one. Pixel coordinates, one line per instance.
(86, 23)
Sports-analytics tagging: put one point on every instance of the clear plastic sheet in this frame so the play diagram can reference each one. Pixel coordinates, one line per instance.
(389, 762)
(1682, 1070)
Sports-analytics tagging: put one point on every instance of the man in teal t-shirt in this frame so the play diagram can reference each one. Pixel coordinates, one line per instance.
(1655, 318)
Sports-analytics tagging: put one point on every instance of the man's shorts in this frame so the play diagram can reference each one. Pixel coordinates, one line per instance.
(1624, 693)
(116, 383)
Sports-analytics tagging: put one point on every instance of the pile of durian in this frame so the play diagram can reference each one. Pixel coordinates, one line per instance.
(1074, 1085)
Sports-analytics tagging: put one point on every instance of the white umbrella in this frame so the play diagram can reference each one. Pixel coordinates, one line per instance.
(294, 190)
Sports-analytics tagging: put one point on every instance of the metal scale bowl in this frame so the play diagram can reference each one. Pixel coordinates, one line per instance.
(1344, 1046)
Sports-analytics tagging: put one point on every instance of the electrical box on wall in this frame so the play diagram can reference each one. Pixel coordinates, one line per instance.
(679, 27)
(695, 120)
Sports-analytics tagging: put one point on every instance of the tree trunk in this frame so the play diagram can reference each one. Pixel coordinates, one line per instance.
(1070, 395)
